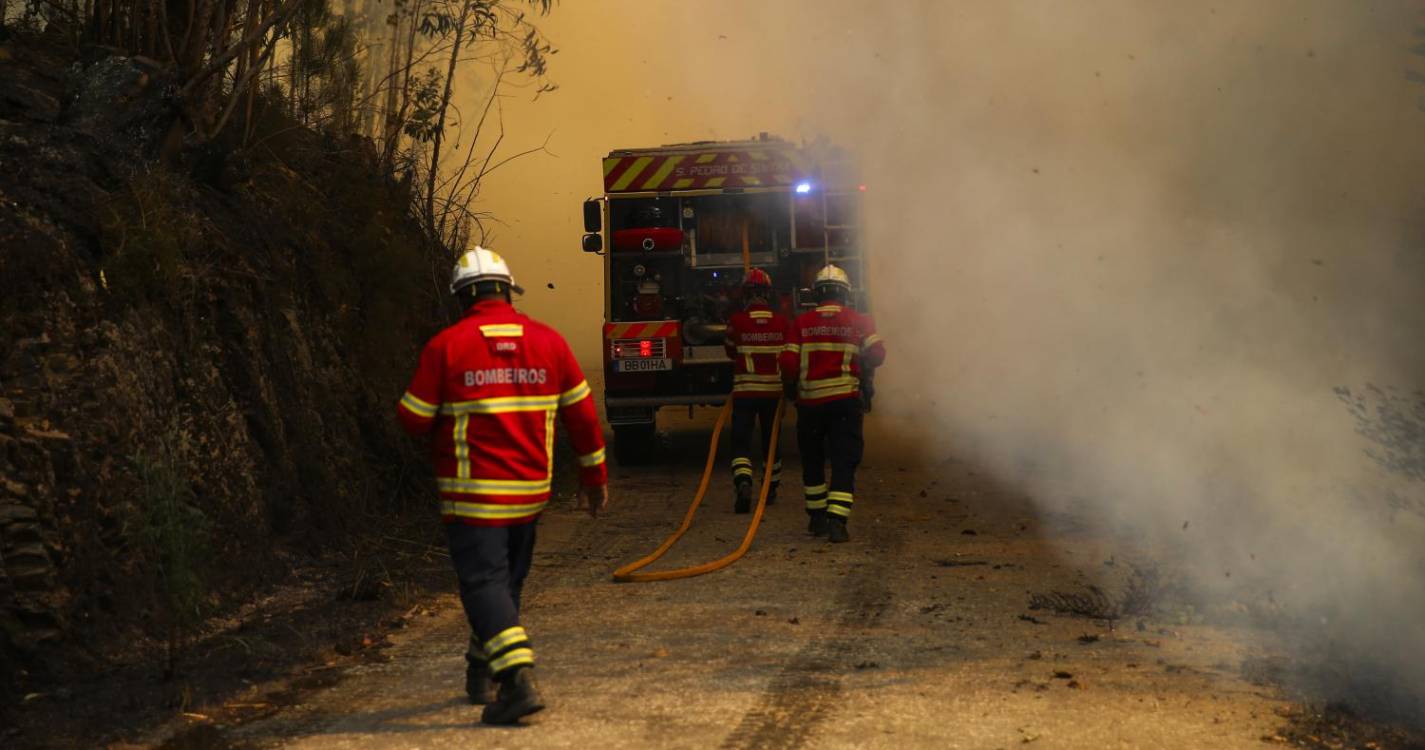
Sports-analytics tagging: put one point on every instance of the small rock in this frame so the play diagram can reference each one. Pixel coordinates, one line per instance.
(794, 620)
(13, 512)
(661, 653)
(40, 342)
(968, 532)
(1061, 675)
(760, 613)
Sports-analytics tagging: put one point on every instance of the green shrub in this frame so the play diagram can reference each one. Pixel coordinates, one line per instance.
(173, 529)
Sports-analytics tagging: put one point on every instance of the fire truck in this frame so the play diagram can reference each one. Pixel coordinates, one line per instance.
(677, 227)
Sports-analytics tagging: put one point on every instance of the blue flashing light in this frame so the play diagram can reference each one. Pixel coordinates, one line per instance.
(803, 187)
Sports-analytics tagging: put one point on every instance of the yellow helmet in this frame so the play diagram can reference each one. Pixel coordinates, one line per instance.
(832, 276)
(479, 265)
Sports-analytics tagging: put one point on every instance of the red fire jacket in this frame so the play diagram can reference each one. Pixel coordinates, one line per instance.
(755, 338)
(828, 350)
(488, 389)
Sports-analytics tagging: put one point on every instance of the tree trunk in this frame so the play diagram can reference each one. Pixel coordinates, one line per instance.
(440, 118)
(391, 123)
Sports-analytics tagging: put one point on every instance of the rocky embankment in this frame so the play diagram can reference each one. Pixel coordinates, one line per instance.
(198, 358)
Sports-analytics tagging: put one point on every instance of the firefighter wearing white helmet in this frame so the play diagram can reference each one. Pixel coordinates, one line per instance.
(502, 376)
(827, 364)
(479, 268)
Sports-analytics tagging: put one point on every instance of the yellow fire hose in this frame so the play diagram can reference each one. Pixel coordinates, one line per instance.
(626, 574)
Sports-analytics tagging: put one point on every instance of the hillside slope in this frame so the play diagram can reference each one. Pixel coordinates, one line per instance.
(198, 360)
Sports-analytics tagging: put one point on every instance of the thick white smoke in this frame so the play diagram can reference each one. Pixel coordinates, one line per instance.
(1137, 245)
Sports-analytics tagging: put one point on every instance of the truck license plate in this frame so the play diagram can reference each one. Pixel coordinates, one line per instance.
(642, 365)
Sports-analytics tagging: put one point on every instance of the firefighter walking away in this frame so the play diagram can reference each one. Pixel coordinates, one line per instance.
(827, 364)
(755, 338)
(487, 391)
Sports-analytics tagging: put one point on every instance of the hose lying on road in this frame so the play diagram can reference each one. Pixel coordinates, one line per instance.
(626, 574)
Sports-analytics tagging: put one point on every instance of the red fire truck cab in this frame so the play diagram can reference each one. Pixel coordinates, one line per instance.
(677, 226)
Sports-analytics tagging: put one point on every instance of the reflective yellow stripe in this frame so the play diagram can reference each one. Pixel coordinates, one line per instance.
(828, 384)
(705, 158)
(502, 329)
(686, 182)
(871, 341)
(662, 173)
(793, 348)
(760, 349)
(574, 395)
(757, 314)
(741, 462)
(845, 390)
(462, 447)
(417, 406)
(844, 497)
(752, 180)
(504, 639)
(549, 441)
(816, 503)
(752, 377)
(757, 388)
(493, 486)
(819, 489)
(825, 346)
(839, 510)
(631, 174)
(610, 164)
(502, 405)
(490, 511)
(512, 659)
(716, 182)
(742, 471)
(829, 309)
(592, 459)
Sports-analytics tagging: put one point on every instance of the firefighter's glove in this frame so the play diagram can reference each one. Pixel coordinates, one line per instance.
(868, 393)
(596, 497)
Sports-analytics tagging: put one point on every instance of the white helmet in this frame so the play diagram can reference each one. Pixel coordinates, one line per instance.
(479, 265)
(832, 276)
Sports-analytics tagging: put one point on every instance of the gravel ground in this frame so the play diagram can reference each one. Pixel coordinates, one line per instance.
(916, 634)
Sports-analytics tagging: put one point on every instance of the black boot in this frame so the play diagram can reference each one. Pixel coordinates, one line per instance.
(478, 684)
(744, 496)
(836, 530)
(518, 697)
(817, 527)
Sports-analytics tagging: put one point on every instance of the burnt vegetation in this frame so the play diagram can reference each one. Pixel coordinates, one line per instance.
(225, 230)
(1142, 590)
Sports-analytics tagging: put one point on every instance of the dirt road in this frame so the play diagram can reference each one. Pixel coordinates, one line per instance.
(916, 634)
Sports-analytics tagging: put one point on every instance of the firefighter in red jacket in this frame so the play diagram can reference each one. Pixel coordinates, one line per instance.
(830, 351)
(755, 337)
(487, 390)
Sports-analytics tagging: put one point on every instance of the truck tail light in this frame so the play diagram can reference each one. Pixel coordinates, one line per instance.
(641, 348)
